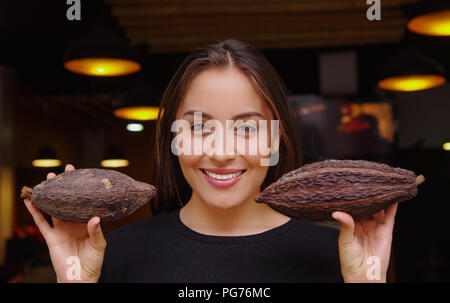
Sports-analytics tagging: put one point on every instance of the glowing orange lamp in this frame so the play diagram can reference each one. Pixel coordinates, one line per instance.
(46, 157)
(114, 158)
(102, 53)
(141, 103)
(102, 66)
(432, 24)
(140, 113)
(430, 18)
(446, 146)
(411, 83)
(411, 71)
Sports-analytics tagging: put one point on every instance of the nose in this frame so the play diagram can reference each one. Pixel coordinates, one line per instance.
(220, 158)
(216, 147)
(223, 154)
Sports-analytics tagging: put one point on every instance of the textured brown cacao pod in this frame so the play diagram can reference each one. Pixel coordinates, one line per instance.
(358, 187)
(81, 194)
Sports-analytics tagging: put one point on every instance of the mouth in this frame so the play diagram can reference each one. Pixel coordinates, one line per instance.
(223, 177)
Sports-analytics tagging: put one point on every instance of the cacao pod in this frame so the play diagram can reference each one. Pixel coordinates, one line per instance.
(358, 187)
(81, 194)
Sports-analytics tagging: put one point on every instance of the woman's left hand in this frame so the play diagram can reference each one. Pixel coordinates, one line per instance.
(365, 245)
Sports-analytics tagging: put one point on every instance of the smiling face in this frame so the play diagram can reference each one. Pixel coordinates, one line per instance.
(232, 178)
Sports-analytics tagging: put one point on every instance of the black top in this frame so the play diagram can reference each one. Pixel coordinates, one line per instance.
(163, 249)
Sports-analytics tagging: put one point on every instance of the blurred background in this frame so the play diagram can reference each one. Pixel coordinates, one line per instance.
(80, 83)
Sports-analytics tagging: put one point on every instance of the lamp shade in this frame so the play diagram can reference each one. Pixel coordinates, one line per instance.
(102, 53)
(46, 157)
(446, 145)
(411, 71)
(137, 112)
(114, 158)
(141, 103)
(430, 17)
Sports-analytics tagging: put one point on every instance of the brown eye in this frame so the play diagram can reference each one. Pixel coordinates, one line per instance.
(246, 129)
(196, 127)
(201, 127)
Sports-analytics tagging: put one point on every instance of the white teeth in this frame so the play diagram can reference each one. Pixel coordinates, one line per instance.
(223, 177)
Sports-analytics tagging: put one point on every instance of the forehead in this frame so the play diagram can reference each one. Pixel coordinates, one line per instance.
(222, 93)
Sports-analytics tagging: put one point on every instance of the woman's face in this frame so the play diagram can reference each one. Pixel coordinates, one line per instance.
(233, 177)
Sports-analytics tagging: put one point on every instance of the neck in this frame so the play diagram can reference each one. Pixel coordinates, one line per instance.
(246, 218)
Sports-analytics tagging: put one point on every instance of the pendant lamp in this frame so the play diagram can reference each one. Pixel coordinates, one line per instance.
(141, 103)
(46, 157)
(411, 71)
(446, 145)
(430, 18)
(114, 157)
(102, 53)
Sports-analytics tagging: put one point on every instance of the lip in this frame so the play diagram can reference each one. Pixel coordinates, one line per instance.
(222, 171)
(222, 183)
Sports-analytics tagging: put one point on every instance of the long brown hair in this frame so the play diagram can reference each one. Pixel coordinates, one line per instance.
(173, 189)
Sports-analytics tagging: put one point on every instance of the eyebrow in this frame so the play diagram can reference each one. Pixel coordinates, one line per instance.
(241, 115)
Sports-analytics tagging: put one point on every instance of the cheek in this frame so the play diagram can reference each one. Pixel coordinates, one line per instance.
(258, 171)
(188, 164)
(257, 146)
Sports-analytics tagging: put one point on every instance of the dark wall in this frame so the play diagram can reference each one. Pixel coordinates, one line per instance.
(421, 243)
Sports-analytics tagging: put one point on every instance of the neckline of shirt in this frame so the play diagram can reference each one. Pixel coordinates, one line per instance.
(175, 221)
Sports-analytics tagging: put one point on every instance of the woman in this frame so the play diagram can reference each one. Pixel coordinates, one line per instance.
(206, 225)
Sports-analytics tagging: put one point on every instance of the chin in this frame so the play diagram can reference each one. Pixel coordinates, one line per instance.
(225, 205)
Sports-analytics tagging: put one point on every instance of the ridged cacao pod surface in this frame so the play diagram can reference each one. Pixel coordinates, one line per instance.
(81, 194)
(358, 187)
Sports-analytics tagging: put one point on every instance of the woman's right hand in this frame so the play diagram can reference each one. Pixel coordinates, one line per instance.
(66, 240)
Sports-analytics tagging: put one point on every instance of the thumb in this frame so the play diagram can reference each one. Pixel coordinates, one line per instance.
(96, 238)
(347, 227)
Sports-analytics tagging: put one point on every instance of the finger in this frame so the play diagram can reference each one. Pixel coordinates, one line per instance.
(50, 175)
(69, 167)
(38, 218)
(96, 238)
(347, 227)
